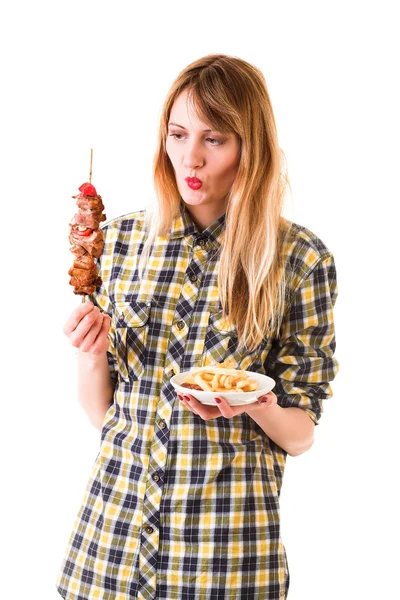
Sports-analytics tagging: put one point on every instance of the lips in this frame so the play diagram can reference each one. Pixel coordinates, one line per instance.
(194, 183)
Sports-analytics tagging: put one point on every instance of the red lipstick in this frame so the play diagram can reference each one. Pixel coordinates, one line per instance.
(194, 183)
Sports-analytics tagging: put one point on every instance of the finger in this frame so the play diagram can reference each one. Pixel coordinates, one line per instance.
(205, 412)
(268, 400)
(83, 327)
(76, 316)
(225, 409)
(92, 334)
(101, 342)
(196, 406)
(187, 404)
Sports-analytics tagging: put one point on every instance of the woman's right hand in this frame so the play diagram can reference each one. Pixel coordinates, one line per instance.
(87, 329)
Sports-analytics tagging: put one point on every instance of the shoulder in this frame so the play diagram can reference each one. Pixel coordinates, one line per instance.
(128, 229)
(123, 235)
(303, 250)
(126, 223)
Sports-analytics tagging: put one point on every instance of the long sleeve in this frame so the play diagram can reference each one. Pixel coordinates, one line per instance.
(302, 360)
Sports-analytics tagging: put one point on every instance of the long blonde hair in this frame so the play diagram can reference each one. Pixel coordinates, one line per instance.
(230, 95)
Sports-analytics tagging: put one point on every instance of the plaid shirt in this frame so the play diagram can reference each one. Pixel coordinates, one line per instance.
(177, 507)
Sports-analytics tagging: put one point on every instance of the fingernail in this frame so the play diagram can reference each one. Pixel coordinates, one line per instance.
(263, 401)
(218, 400)
(186, 398)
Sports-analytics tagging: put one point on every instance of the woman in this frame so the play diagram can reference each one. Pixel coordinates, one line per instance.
(183, 499)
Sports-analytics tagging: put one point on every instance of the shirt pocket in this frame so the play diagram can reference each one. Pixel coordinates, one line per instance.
(221, 343)
(131, 333)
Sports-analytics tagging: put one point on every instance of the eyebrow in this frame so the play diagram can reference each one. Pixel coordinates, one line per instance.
(176, 125)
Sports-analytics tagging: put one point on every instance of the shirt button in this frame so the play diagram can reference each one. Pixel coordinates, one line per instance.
(201, 242)
(149, 529)
(171, 373)
(156, 477)
(180, 324)
(162, 424)
(193, 278)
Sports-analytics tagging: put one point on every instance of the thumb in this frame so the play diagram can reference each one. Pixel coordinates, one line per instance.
(266, 400)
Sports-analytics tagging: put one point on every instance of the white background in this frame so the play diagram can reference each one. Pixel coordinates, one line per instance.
(77, 75)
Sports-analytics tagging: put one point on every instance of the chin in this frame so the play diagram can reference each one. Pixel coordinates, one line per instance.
(193, 199)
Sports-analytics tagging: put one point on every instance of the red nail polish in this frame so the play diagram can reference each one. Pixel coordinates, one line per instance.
(263, 401)
(187, 398)
(218, 400)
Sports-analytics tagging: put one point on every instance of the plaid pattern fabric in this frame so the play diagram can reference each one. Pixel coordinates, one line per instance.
(176, 507)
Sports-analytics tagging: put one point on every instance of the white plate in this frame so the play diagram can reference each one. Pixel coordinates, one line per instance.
(264, 382)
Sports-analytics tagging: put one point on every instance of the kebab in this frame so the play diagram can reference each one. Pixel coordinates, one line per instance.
(86, 239)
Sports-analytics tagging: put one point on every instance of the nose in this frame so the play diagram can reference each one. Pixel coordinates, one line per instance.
(192, 156)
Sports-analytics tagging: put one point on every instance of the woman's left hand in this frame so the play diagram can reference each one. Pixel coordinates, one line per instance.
(224, 409)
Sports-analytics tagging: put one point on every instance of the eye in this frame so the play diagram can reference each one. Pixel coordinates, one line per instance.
(217, 142)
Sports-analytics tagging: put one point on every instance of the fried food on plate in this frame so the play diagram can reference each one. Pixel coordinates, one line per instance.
(221, 378)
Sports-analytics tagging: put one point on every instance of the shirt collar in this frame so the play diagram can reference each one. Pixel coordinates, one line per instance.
(183, 226)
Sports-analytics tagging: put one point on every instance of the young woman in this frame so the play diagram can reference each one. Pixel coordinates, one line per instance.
(183, 499)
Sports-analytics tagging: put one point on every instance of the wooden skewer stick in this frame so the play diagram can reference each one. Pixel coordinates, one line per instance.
(91, 161)
(90, 181)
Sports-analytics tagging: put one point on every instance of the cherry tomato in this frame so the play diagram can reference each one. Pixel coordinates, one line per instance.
(85, 233)
(87, 189)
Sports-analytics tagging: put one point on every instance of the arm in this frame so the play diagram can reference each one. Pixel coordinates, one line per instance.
(290, 428)
(302, 362)
(98, 374)
(91, 330)
(88, 330)
(95, 386)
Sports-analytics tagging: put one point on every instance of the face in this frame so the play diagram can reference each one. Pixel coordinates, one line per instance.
(210, 156)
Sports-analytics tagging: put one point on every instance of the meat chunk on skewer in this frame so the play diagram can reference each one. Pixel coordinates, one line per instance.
(87, 240)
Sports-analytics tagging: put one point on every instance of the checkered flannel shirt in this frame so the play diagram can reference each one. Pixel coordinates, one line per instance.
(177, 507)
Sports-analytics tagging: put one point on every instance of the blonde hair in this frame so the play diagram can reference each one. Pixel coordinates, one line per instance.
(230, 95)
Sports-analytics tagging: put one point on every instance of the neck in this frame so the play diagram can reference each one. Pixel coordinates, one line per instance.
(203, 216)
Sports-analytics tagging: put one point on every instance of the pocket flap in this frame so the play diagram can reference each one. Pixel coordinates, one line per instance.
(131, 314)
(218, 323)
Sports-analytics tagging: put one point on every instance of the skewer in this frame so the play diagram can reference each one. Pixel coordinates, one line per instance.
(91, 161)
(90, 181)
